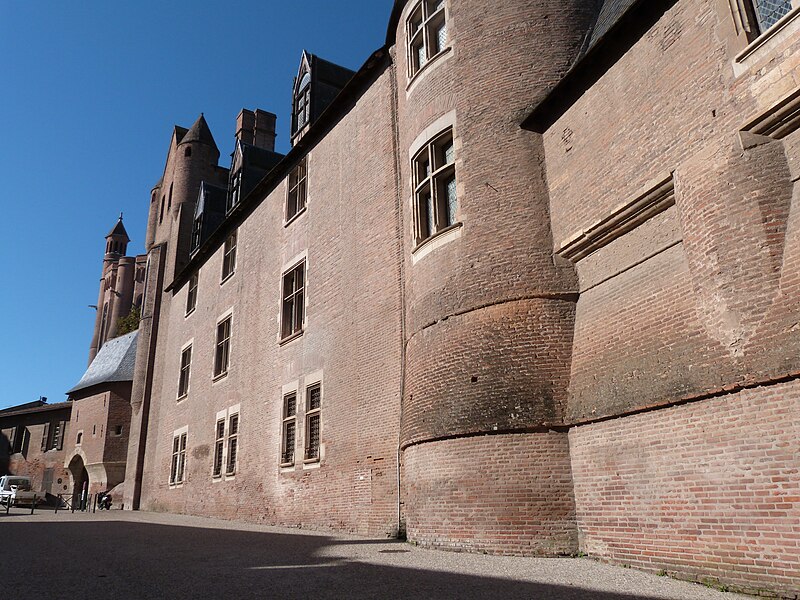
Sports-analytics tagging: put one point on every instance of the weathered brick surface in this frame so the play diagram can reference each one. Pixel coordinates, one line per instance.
(707, 489)
(506, 494)
(352, 337)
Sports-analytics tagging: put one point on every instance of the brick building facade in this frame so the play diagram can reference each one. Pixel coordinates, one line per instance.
(527, 282)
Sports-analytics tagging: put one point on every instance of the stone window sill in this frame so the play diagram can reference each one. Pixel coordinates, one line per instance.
(784, 32)
(435, 60)
(440, 238)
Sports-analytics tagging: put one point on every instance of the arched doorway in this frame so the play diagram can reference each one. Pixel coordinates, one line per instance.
(80, 481)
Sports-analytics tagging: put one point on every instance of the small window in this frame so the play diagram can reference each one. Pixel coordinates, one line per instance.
(435, 198)
(161, 212)
(229, 256)
(197, 232)
(117, 430)
(79, 438)
(222, 353)
(292, 309)
(188, 151)
(178, 468)
(233, 444)
(219, 447)
(313, 405)
(289, 428)
(191, 294)
(296, 198)
(426, 33)
(302, 102)
(235, 191)
(186, 366)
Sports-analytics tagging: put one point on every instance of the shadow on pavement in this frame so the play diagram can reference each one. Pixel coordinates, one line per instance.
(122, 560)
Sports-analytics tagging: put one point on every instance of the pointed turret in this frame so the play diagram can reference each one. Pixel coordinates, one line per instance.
(117, 239)
(199, 132)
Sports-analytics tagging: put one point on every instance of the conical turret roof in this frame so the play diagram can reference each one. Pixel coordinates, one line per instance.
(119, 231)
(199, 132)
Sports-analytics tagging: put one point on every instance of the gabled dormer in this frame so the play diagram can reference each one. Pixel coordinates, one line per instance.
(317, 83)
(209, 212)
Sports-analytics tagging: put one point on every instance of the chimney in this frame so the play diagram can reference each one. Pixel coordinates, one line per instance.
(245, 126)
(264, 130)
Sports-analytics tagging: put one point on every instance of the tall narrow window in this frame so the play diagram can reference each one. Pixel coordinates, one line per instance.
(313, 404)
(178, 468)
(296, 199)
(235, 190)
(293, 303)
(233, 444)
(222, 353)
(219, 447)
(426, 33)
(302, 102)
(229, 256)
(197, 232)
(191, 294)
(186, 365)
(289, 428)
(435, 199)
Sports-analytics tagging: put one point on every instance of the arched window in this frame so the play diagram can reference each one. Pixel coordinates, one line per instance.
(79, 438)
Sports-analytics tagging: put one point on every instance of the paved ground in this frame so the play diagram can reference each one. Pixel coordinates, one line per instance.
(120, 555)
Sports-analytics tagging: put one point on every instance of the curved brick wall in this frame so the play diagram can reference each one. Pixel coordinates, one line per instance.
(505, 494)
(500, 368)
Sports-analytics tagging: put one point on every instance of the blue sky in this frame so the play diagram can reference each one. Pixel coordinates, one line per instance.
(89, 93)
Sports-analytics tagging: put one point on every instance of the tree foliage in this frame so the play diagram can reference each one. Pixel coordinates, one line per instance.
(130, 322)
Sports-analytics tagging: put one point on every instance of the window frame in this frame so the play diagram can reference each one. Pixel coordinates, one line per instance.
(177, 473)
(312, 455)
(229, 256)
(303, 93)
(754, 18)
(191, 293)
(232, 444)
(185, 371)
(219, 448)
(422, 31)
(296, 191)
(432, 174)
(222, 347)
(288, 423)
(291, 301)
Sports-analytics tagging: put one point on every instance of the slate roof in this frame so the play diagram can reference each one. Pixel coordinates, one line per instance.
(25, 409)
(199, 132)
(119, 230)
(113, 363)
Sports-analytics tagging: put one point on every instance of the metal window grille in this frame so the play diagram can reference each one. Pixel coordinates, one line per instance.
(233, 444)
(313, 406)
(769, 12)
(219, 445)
(289, 428)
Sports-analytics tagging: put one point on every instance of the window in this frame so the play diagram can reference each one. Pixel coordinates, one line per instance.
(302, 102)
(296, 199)
(765, 13)
(186, 366)
(53, 436)
(233, 444)
(178, 469)
(223, 347)
(117, 430)
(292, 305)
(235, 191)
(19, 440)
(229, 256)
(191, 295)
(313, 403)
(426, 32)
(226, 442)
(434, 176)
(79, 439)
(219, 447)
(289, 428)
(197, 232)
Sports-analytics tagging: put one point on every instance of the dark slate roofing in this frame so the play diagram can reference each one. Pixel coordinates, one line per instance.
(25, 406)
(256, 162)
(113, 363)
(210, 209)
(199, 132)
(119, 229)
(26, 409)
(179, 133)
(325, 70)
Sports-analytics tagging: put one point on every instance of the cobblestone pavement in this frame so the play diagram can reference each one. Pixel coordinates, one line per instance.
(120, 555)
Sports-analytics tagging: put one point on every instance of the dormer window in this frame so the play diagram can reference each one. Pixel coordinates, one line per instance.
(235, 191)
(197, 231)
(302, 102)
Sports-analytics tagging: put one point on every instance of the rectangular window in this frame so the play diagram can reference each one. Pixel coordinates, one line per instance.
(178, 468)
(19, 441)
(229, 256)
(296, 199)
(435, 199)
(235, 191)
(191, 294)
(219, 447)
(313, 404)
(186, 366)
(292, 308)
(53, 435)
(765, 13)
(233, 444)
(197, 232)
(223, 346)
(426, 33)
(289, 428)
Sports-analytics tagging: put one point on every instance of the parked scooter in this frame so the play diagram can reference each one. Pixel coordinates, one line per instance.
(104, 500)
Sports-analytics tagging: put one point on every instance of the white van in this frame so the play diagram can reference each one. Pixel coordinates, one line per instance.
(17, 489)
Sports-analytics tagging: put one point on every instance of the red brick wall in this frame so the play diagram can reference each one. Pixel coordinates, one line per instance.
(506, 494)
(707, 489)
